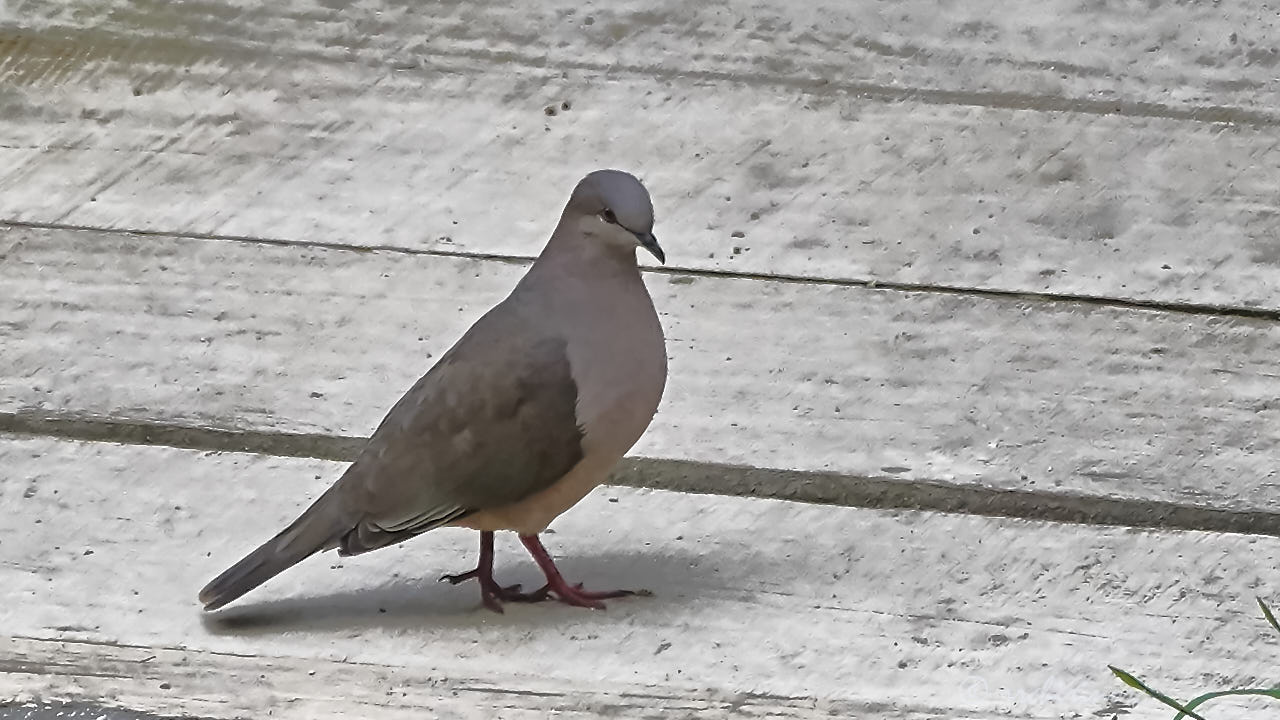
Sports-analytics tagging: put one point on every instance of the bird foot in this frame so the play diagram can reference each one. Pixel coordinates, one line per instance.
(564, 592)
(576, 596)
(491, 593)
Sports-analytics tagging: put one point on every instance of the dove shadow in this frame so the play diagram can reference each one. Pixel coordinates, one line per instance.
(675, 579)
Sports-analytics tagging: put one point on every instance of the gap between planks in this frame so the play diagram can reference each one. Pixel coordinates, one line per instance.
(1200, 309)
(880, 492)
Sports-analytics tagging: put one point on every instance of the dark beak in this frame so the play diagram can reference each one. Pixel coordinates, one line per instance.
(650, 243)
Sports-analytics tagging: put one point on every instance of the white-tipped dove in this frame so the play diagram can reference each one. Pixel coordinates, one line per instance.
(517, 422)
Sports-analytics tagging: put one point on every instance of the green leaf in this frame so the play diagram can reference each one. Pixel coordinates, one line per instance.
(1266, 613)
(1133, 682)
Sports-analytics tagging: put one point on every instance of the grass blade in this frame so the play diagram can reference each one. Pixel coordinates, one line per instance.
(1133, 682)
(1268, 692)
(1266, 613)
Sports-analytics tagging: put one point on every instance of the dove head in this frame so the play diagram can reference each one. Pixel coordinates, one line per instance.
(612, 206)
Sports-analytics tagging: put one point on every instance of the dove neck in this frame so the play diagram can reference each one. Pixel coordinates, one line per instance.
(569, 247)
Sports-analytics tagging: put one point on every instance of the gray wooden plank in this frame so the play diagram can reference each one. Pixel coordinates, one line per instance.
(1065, 399)
(184, 680)
(61, 710)
(1122, 56)
(429, 130)
(761, 606)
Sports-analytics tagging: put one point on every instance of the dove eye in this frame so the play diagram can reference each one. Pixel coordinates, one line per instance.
(609, 217)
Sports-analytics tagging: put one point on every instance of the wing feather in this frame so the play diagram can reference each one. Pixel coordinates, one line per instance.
(493, 422)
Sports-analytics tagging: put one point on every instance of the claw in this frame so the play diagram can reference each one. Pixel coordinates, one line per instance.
(460, 577)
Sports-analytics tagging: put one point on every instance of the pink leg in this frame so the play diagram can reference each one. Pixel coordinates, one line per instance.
(491, 593)
(556, 584)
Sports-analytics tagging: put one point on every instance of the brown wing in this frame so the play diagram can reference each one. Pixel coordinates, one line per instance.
(492, 423)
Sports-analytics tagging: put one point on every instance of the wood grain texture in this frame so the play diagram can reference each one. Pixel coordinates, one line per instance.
(761, 606)
(1054, 150)
(185, 681)
(1175, 55)
(1120, 150)
(1066, 398)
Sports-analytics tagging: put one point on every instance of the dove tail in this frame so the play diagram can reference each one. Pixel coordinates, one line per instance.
(312, 532)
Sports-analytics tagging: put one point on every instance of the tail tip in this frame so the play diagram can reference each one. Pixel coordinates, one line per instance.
(208, 598)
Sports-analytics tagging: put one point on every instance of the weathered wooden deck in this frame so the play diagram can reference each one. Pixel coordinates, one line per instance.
(994, 291)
